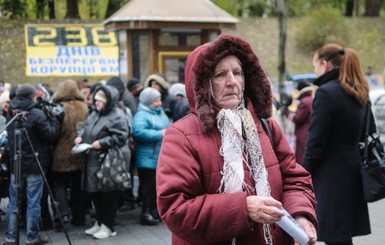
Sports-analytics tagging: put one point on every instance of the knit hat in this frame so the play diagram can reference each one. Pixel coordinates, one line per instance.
(148, 95)
(118, 84)
(26, 90)
(101, 96)
(177, 89)
(133, 83)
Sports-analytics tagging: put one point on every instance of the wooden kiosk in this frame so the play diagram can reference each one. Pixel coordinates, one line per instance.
(157, 35)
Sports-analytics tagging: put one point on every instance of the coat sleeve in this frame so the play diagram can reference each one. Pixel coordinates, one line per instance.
(48, 129)
(301, 114)
(186, 208)
(318, 135)
(117, 131)
(143, 130)
(298, 196)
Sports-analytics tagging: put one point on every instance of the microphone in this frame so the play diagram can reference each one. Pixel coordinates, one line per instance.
(79, 126)
(2, 121)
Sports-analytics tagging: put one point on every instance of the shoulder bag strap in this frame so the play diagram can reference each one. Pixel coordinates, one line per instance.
(267, 128)
(366, 138)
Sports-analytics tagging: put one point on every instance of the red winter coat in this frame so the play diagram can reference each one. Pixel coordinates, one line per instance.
(302, 119)
(189, 166)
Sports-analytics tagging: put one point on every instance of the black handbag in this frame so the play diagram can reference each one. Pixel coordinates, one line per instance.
(113, 174)
(372, 164)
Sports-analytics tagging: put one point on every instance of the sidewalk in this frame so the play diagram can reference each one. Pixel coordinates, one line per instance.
(131, 232)
(127, 226)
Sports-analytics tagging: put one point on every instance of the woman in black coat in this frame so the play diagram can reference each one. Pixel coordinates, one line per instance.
(332, 153)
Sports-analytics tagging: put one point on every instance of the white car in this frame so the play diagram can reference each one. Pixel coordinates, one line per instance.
(377, 98)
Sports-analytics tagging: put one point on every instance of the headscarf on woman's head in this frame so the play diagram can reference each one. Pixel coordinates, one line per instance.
(111, 95)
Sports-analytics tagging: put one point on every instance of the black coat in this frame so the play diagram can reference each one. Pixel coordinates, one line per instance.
(332, 157)
(41, 131)
(111, 128)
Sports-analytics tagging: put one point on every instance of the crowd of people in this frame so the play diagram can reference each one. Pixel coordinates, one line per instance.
(103, 115)
(212, 162)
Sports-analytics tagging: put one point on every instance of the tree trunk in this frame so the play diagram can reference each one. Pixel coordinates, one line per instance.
(72, 10)
(281, 10)
(40, 9)
(349, 7)
(372, 8)
(51, 9)
(241, 7)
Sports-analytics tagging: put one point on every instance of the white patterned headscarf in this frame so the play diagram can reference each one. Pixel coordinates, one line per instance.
(241, 146)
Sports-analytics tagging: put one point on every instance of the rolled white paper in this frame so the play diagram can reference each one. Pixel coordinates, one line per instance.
(288, 224)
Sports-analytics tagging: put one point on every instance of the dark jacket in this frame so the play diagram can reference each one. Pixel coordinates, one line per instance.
(189, 167)
(182, 108)
(110, 127)
(124, 95)
(76, 111)
(37, 131)
(332, 156)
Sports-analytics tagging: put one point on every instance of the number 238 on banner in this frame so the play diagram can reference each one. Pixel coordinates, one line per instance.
(68, 35)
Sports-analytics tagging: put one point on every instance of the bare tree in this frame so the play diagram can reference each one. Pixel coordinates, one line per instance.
(40, 9)
(72, 10)
(51, 9)
(372, 7)
(281, 8)
(349, 6)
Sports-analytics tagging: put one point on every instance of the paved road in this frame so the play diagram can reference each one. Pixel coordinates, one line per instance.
(131, 232)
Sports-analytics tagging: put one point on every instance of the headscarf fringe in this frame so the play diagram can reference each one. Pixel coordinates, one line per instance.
(241, 145)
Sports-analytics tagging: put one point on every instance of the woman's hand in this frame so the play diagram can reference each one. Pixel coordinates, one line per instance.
(78, 140)
(96, 145)
(309, 229)
(263, 209)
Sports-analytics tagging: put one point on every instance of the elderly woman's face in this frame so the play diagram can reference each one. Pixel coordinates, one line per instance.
(227, 82)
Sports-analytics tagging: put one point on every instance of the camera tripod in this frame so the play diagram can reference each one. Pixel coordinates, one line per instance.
(20, 118)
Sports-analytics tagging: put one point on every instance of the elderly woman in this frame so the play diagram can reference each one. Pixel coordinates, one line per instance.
(104, 129)
(220, 180)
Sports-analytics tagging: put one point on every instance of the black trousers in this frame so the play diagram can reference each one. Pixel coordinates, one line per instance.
(106, 206)
(75, 204)
(147, 188)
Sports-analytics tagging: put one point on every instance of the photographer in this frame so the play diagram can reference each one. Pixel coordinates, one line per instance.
(39, 131)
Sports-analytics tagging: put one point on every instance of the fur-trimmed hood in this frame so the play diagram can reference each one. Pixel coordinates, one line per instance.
(66, 91)
(159, 78)
(200, 65)
(112, 96)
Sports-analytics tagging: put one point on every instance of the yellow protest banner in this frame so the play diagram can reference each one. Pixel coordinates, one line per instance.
(70, 50)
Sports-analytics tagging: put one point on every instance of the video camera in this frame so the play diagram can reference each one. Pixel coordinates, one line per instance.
(50, 109)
